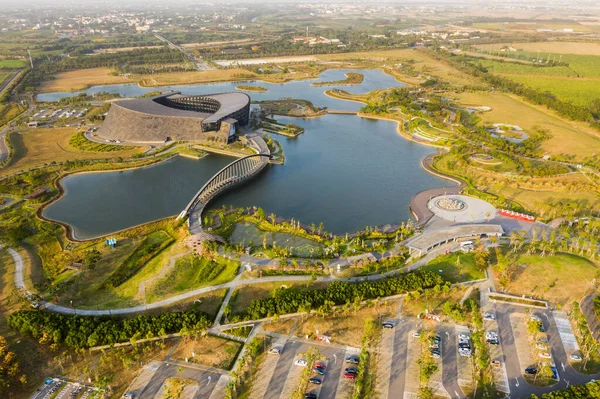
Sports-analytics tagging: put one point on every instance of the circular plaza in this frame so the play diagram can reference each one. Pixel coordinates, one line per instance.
(461, 209)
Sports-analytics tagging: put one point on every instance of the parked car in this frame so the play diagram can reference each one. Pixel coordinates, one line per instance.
(301, 363)
(321, 365)
(388, 324)
(353, 359)
(554, 373)
(531, 370)
(319, 370)
(493, 341)
(275, 351)
(315, 380)
(496, 363)
(463, 336)
(489, 316)
(350, 376)
(545, 355)
(310, 396)
(351, 370)
(416, 334)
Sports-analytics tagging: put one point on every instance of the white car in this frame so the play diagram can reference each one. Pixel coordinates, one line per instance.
(275, 351)
(491, 335)
(416, 334)
(301, 363)
(575, 357)
(463, 336)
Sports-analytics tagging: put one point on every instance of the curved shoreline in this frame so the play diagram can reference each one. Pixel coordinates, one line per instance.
(69, 232)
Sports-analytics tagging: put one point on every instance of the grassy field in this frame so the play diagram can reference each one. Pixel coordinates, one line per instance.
(82, 79)
(530, 199)
(578, 91)
(152, 245)
(10, 111)
(193, 272)
(346, 329)
(559, 279)
(36, 147)
(568, 137)
(423, 62)
(11, 64)
(209, 351)
(453, 272)
(583, 48)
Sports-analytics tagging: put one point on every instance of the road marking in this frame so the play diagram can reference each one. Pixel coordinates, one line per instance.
(516, 382)
(563, 365)
(457, 395)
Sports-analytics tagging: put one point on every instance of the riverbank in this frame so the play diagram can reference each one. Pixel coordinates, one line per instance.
(257, 89)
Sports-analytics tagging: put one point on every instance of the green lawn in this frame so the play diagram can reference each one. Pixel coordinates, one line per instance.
(561, 278)
(453, 272)
(11, 64)
(192, 272)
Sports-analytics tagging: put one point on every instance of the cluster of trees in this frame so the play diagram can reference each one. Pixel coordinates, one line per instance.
(339, 292)
(80, 332)
(591, 390)
(10, 371)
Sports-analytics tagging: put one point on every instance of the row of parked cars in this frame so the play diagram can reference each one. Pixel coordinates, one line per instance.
(464, 345)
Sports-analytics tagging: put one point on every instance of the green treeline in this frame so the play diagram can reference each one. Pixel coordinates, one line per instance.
(87, 331)
(591, 390)
(340, 292)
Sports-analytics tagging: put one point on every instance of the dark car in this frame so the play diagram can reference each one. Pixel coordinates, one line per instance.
(542, 329)
(388, 325)
(353, 359)
(464, 345)
(351, 370)
(493, 341)
(554, 373)
(531, 370)
(319, 370)
(315, 380)
(310, 396)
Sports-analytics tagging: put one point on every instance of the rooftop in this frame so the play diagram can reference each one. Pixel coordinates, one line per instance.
(229, 103)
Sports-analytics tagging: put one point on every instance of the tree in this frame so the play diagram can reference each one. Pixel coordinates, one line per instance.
(10, 372)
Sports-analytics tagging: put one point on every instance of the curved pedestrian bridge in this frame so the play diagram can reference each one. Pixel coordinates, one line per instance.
(236, 172)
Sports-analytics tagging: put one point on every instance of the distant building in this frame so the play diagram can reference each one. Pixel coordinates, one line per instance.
(172, 116)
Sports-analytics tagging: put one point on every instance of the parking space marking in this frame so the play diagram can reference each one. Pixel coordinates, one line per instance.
(143, 378)
(464, 364)
(413, 371)
(345, 385)
(499, 373)
(435, 383)
(519, 328)
(263, 376)
(384, 365)
(221, 387)
(565, 332)
(292, 379)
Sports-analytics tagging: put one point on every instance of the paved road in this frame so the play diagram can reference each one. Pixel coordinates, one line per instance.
(519, 388)
(449, 361)
(399, 366)
(164, 372)
(281, 372)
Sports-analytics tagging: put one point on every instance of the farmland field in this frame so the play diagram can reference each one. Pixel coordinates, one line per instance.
(568, 137)
(555, 47)
(578, 91)
(11, 64)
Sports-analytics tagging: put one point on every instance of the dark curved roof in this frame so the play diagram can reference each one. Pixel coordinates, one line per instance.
(229, 103)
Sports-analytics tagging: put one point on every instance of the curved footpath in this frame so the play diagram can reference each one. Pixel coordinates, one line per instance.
(20, 284)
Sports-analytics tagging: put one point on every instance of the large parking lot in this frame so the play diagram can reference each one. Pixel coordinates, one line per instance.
(60, 389)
